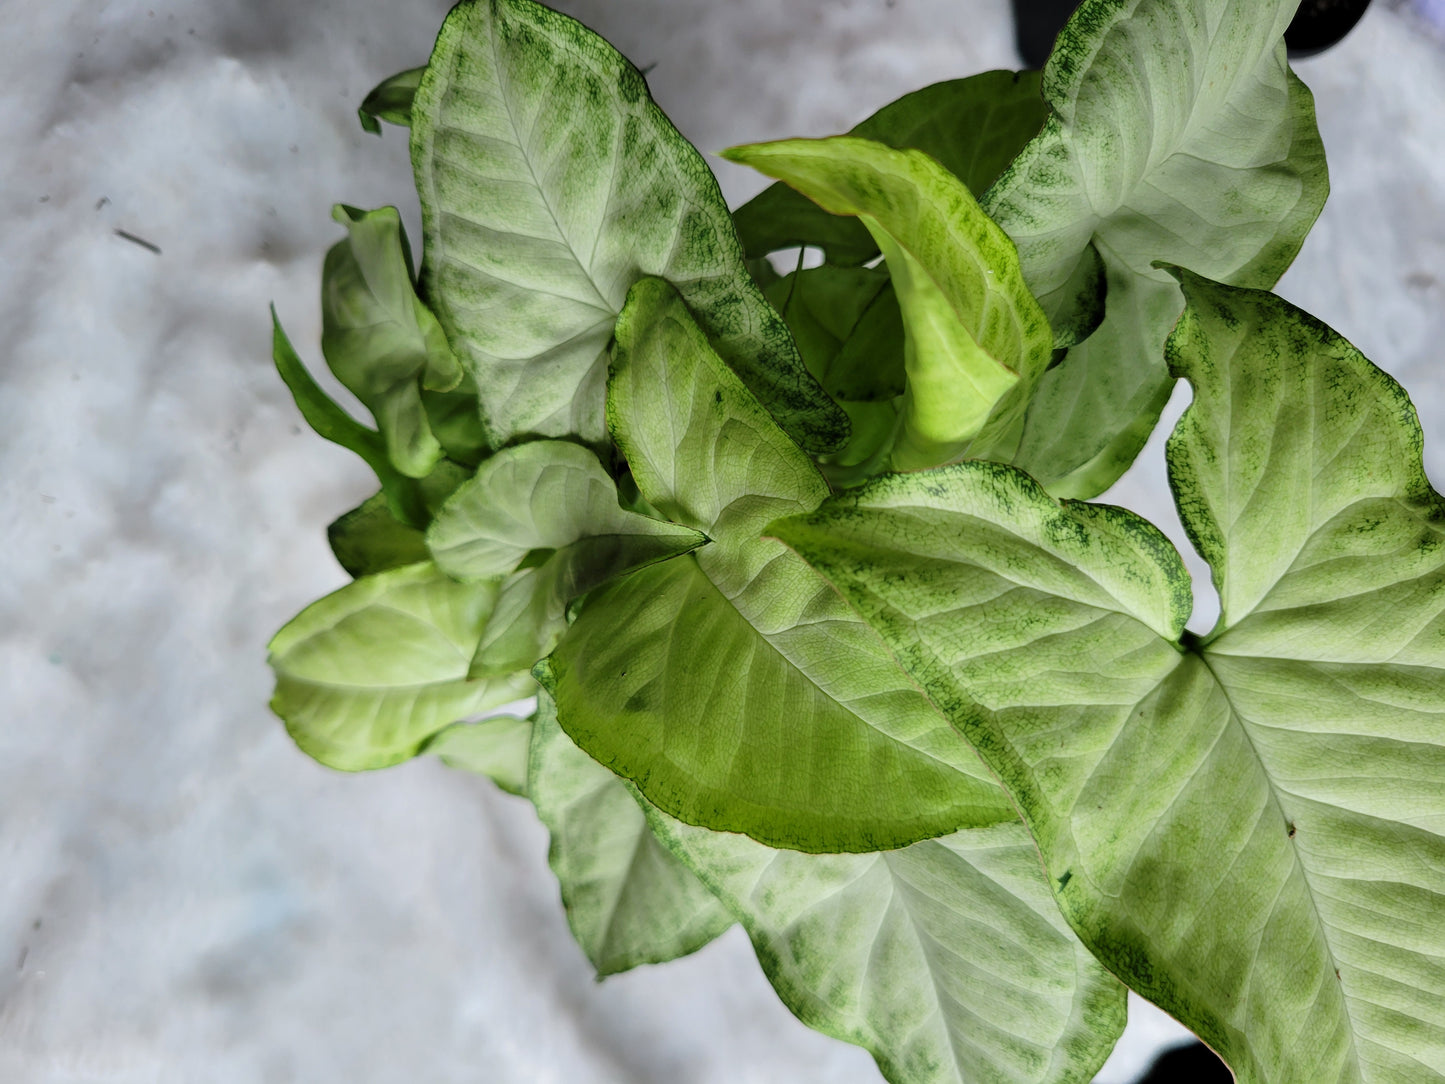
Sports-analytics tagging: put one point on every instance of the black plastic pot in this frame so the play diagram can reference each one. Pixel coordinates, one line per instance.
(1321, 23)
(1193, 1063)
(1317, 25)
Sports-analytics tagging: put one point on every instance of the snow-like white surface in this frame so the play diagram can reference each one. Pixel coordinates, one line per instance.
(188, 898)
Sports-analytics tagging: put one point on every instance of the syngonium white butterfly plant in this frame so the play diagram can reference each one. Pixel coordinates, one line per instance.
(826, 636)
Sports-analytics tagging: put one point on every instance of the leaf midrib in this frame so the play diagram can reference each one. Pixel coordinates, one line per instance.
(504, 92)
(929, 946)
(830, 698)
(1239, 719)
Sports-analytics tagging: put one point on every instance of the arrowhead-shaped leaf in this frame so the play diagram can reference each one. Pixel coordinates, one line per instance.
(1250, 831)
(974, 127)
(543, 495)
(976, 341)
(629, 901)
(1178, 134)
(947, 960)
(367, 674)
(549, 184)
(732, 685)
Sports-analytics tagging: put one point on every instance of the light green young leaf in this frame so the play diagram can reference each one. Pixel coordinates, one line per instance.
(367, 674)
(546, 494)
(547, 497)
(530, 618)
(628, 900)
(947, 960)
(732, 685)
(379, 339)
(976, 341)
(496, 747)
(549, 184)
(1177, 133)
(972, 126)
(370, 539)
(1250, 832)
(390, 100)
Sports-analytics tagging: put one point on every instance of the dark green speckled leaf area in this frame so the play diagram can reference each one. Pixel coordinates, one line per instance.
(1247, 829)
(549, 184)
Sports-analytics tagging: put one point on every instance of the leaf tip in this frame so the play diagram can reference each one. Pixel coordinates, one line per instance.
(545, 675)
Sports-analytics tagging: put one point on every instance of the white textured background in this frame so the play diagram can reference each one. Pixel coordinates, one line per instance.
(184, 896)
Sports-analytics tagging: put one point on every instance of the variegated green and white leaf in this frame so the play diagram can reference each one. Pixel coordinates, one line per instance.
(947, 960)
(1249, 830)
(629, 901)
(1178, 134)
(549, 184)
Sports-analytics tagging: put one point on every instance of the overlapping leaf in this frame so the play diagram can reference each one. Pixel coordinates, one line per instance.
(549, 183)
(411, 501)
(733, 686)
(1249, 831)
(370, 539)
(497, 747)
(947, 960)
(1178, 134)
(552, 500)
(846, 323)
(974, 127)
(629, 901)
(976, 341)
(367, 674)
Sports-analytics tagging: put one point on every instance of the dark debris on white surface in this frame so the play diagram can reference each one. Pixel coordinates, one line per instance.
(187, 897)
